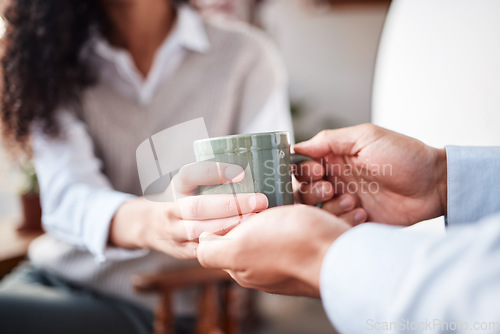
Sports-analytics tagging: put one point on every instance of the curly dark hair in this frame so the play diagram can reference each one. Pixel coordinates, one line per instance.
(41, 63)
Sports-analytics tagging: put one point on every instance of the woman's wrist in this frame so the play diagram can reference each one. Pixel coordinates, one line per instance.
(129, 226)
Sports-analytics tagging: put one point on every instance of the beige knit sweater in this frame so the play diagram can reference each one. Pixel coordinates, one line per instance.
(225, 86)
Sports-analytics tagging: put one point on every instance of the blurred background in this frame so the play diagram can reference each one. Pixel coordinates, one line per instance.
(329, 49)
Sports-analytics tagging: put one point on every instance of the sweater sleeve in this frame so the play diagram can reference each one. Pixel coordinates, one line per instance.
(78, 202)
(264, 102)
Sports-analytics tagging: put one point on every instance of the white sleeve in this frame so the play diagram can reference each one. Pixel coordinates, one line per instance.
(377, 278)
(78, 201)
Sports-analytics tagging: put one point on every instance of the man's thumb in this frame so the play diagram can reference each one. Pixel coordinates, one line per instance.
(336, 142)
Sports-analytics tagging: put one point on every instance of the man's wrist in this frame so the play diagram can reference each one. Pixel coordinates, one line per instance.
(442, 181)
(323, 244)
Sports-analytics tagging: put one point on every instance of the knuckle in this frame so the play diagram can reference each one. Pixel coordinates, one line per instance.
(170, 211)
(195, 207)
(191, 232)
(354, 198)
(183, 174)
(368, 127)
(226, 226)
(229, 205)
(324, 134)
(182, 178)
(235, 256)
(212, 171)
(244, 278)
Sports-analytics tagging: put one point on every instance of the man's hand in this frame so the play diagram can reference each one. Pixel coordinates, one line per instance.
(398, 180)
(278, 251)
(311, 188)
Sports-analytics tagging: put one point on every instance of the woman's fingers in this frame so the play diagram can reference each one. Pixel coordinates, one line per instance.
(206, 173)
(219, 206)
(192, 229)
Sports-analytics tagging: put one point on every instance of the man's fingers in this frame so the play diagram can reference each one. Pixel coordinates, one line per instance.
(309, 171)
(340, 205)
(220, 206)
(215, 251)
(339, 186)
(345, 208)
(316, 192)
(206, 173)
(338, 142)
(355, 217)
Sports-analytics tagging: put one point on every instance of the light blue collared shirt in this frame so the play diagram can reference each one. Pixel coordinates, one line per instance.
(382, 279)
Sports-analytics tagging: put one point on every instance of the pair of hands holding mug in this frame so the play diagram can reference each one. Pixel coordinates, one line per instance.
(189, 215)
(174, 224)
(281, 250)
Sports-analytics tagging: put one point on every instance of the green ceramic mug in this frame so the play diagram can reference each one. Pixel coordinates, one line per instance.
(265, 157)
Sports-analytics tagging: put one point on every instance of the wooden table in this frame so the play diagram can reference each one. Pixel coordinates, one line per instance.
(13, 244)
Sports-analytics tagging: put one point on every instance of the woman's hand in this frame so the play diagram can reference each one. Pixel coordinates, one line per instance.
(174, 227)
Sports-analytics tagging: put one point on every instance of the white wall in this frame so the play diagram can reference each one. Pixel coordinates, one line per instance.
(438, 73)
(330, 57)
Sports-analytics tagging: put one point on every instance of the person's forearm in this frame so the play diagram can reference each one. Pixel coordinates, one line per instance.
(377, 274)
(129, 225)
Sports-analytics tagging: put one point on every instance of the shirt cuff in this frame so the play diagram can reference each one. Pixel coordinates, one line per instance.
(473, 183)
(96, 227)
(359, 268)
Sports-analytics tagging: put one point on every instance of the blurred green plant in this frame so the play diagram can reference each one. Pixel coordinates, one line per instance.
(29, 182)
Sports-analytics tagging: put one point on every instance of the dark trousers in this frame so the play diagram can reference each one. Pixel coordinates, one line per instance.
(33, 301)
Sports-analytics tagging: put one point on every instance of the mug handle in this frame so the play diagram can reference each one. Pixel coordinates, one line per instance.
(296, 159)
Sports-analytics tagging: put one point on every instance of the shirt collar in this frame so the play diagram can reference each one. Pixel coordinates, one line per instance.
(191, 30)
(189, 33)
